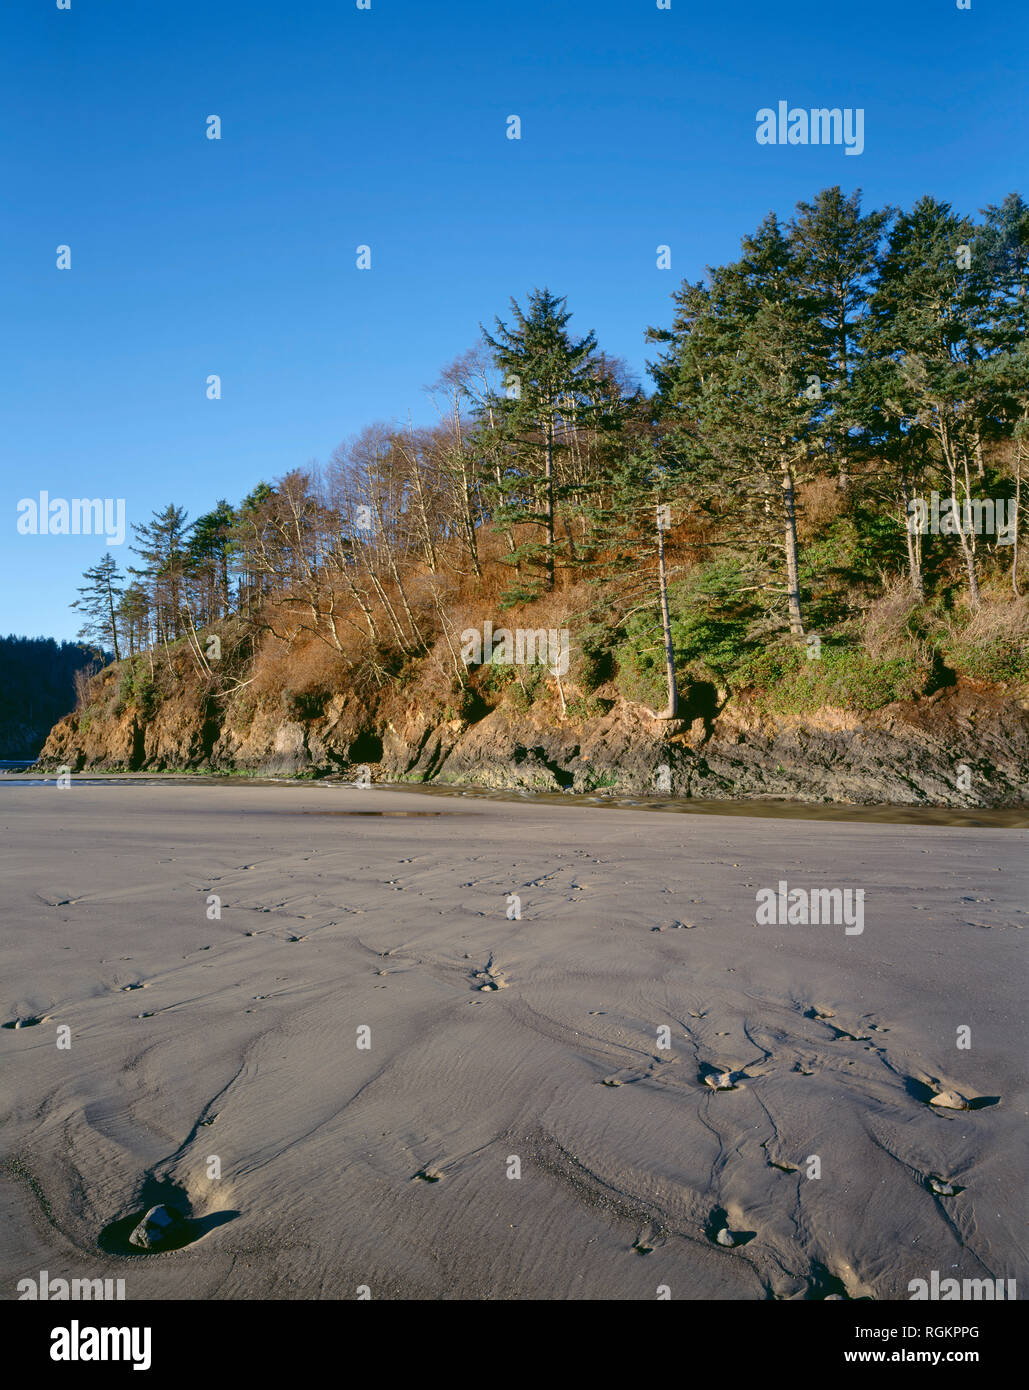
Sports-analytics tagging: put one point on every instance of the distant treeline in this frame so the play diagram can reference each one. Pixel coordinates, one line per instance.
(37, 689)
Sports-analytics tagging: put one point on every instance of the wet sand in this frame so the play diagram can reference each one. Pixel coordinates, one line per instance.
(527, 1045)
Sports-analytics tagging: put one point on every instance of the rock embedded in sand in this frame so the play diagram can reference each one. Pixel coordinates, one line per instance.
(949, 1100)
(157, 1226)
(726, 1237)
(943, 1189)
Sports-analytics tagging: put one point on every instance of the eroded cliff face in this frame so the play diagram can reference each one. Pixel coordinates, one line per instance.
(964, 746)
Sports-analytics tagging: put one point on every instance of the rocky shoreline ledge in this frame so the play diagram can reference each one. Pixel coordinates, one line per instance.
(965, 746)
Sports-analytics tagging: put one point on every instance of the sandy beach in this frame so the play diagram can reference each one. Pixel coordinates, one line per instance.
(413, 1044)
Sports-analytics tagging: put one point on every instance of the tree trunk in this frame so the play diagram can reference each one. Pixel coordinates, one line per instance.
(1018, 504)
(914, 541)
(423, 511)
(967, 538)
(843, 477)
(790, 545)
(549, 436)
(359, 599)
(387, 607)
(979, 462)
(466, 498)
(113, 621)
(672, 708)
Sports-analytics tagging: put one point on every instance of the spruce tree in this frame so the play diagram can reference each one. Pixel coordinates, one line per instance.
(209, 550)
(547, 380)
(741, 381)
(161, 543)
(836, 249)
(101, 595)
(928, 336)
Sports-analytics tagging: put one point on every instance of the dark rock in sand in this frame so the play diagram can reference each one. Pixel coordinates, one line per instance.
(160, 1225)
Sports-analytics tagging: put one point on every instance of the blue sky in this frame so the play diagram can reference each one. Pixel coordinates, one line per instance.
(387, 127)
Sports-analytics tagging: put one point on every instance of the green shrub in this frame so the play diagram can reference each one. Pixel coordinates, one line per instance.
(526, 686)
(641, 675)
(138, 688)
(592, 667)
(784, 681)
(495, 677)
(588, 708)
(993, 659)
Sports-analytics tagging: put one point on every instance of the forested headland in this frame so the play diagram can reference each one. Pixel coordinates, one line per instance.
(817, 500)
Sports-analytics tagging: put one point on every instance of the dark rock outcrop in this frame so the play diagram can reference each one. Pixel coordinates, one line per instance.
(965, 746)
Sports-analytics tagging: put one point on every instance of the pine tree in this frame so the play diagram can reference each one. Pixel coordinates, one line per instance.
(134, 617)
(836, 250)
(547, 381)
(247, 541)
(1002, 250)
(741, 383)
(101, 595)
(208, 553)
(928, 336)
(162, 546)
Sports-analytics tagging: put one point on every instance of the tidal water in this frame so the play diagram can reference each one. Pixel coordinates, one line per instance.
(768, 808)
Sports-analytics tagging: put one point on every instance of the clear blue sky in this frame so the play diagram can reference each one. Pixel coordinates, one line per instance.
(388, 127)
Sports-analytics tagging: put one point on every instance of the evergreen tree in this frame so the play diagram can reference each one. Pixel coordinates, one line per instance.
(884, 350)
(742, 381)
(547, 380)
(836, 250)
(134, 616)
(208, 553)
(1002, 251)
(101, 596)
(247, 543)
(928, 332)
(161, 543)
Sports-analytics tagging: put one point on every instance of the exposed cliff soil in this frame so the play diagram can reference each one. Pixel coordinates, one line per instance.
(967, 745)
